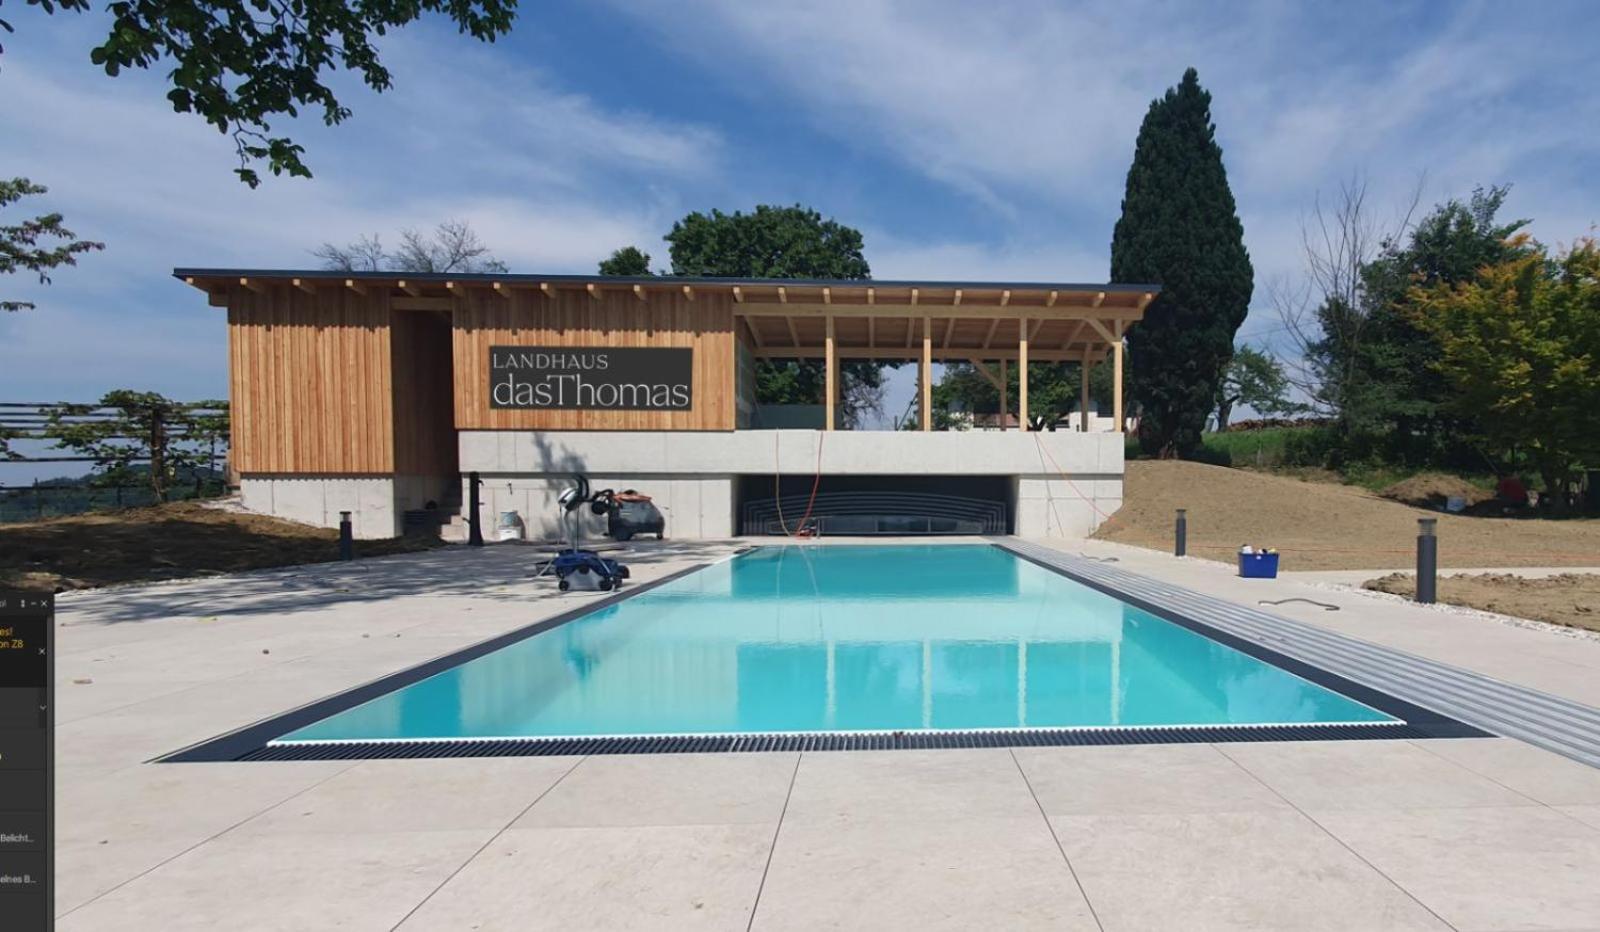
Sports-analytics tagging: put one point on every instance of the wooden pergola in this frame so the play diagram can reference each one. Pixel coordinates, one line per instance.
(987, 325)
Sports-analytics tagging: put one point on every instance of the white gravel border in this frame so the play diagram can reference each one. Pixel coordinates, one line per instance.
(1445, 608)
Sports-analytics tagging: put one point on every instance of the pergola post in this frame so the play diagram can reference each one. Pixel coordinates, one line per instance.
(1005, 404)
(831, 366)
(1116, 378)
(1022, 372)
(925, 374)
(1083, 390)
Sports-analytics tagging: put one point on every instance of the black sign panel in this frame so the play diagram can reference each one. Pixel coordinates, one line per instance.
(591, 378)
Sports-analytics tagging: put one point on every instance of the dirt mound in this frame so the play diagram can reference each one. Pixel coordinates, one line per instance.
(1434, 490)
(1318, 525)
(1566, 599)
(166, 542)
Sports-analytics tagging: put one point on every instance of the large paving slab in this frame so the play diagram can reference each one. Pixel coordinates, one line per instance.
(1475, 833)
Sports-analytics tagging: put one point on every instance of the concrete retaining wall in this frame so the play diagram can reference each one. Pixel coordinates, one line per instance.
(319, 499)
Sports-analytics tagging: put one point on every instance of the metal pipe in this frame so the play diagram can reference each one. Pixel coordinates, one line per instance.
(347, 537)
(1180, 546)
(1427, 561)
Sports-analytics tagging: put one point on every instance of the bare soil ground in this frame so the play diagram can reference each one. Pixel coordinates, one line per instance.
(1433, 490)
(1568, 599)
(166, 542)
(1321, 526)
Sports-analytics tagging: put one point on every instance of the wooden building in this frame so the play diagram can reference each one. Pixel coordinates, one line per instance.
(375, 392)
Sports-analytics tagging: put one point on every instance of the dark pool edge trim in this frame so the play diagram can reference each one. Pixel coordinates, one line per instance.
(840, 741)
(1495, 706)
(241, 742)
(1411, 713)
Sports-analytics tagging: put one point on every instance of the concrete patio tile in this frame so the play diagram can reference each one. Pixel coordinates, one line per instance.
(630, 877)
(1484, 868)
(854, 786)
(1542, 775)
(416, 796)
(1367, 775)
(668, 789)
(1589, 815)
(1242, 870)
(288, 883)
(923, 875)
(198, 799)
(1142, 779)
(109, 830)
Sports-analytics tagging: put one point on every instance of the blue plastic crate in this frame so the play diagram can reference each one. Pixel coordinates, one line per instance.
(1258, 565)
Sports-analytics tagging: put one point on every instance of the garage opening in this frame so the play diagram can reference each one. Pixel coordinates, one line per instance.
(872, 506)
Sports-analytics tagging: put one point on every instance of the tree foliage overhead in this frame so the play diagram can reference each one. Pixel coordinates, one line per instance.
(451, 247)
(627, 261)
(20, 243)
(1180, 229)
(242, 64)
(1518, 346)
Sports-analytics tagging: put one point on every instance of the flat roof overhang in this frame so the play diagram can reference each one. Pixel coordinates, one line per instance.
(792, 318)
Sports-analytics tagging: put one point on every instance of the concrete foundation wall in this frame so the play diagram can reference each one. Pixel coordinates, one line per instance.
(1067, 483)
(318, 500)
(695, 507)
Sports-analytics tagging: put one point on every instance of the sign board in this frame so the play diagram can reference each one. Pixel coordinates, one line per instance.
(591, 378)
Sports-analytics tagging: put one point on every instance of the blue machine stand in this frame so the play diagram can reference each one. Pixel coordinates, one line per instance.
(574, 567)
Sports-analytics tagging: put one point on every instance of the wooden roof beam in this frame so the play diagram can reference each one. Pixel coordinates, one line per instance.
(548, 290)
(872, 296)
(872, 334)
(1099, 299)
(794, 335)
(503, 290)
(989, 337)
(593, 291)
(688, 292)
(408, 287)
(253, 285)
(303, 285)
(783, 295)
(949, 328)
(456, 289)
(827, 295)
(1144, 300)
(1051, 301)
(957, 301)
(738, 294)
(1105, 334)
(358, 287)
(638, 292)
(1005, 297)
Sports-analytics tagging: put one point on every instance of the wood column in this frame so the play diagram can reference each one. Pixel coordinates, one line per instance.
(831, 367)
(1005, 403)
(1022, 372)
(1116, 380)
(925, 371)
(1083, 390)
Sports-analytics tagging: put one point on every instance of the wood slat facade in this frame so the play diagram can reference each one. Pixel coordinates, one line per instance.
(528, 317)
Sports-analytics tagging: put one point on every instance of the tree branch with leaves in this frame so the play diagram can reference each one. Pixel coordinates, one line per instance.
(242, 64)
(23, 245)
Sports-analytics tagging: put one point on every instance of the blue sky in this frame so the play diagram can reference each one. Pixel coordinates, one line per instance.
(965, 140)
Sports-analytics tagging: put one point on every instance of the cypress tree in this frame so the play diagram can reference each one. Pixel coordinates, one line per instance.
(1180, 229)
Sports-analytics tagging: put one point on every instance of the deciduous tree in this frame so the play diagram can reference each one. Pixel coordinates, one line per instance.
(20, 243)
(1180, 229)
(1519, 347)
(1256, 379)
(451, 247)
(242, 64)
(628, 261)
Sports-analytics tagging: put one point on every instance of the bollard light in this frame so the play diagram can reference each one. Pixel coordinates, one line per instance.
(1427, 561)
(1180, 545)
(347, 537)
(474, 519)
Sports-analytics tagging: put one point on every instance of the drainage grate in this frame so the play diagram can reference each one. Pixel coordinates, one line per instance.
(700, 744)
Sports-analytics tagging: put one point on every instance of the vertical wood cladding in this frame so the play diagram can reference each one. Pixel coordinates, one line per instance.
(310, 381)
(424, 418)
(574, 318)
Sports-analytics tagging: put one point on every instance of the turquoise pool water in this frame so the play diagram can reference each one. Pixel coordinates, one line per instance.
(849, 638)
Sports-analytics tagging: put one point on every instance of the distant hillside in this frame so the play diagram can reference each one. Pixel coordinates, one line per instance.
(1323, 525)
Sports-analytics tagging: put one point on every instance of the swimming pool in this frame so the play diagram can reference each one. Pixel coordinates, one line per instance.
(848, 638)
